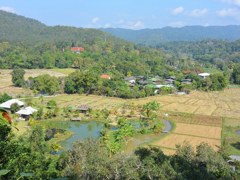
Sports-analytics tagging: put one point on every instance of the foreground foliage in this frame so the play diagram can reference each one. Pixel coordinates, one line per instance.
(30, 156)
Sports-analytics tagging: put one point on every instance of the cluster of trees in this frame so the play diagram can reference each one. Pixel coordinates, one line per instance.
(105, 56)
(90, 160)
(89, 82)
(115, 140)
(28, 156)
(215, 82)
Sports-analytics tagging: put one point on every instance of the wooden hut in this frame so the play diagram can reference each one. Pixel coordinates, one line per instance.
(83, 108)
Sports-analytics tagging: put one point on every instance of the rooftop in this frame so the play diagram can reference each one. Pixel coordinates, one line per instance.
(10, 102)
(204, 74)
(26, 111)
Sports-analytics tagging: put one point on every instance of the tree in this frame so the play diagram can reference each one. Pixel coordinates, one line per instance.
(219, 82)
(150, 107)
(18, 77)
(236, 74)
(154, 164)
(51, 104)
(27, 156)
(14, 108)
(4, 97)
(45, 84)
(89, 160)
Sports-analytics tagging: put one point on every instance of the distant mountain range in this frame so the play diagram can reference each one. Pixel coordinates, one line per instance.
(169, 34)
(15, 28)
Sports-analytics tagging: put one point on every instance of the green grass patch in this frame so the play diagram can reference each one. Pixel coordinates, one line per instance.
(231, 140)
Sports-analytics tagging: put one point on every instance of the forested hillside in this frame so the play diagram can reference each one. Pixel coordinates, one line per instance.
(15, 28)
(217, 52)
(36, 45)
(154, 37)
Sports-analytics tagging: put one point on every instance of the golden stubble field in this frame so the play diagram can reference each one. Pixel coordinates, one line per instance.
(193, 134)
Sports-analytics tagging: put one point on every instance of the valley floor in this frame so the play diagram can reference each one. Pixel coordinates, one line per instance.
(210, 117)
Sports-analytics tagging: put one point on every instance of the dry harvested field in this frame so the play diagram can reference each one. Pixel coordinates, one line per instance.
(208, 106)
(193, 134)
(174, 139)
(198, 130)
(195, 119)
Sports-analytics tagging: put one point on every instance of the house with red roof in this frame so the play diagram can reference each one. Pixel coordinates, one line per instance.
(105, 76)
(77, 49)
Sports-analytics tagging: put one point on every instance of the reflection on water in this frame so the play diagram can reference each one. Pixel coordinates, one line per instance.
(82, 130)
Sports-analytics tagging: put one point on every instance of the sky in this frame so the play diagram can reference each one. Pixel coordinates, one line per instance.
(130, 14)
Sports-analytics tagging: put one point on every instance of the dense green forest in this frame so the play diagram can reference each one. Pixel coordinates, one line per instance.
(38, 46)
(211, 51)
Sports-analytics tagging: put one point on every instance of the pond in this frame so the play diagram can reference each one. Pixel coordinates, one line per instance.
(92, 129)
(82, 130)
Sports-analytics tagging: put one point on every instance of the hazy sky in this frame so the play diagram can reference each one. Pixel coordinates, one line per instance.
(132, 14)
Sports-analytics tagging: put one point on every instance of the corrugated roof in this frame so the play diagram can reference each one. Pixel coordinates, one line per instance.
(235, 157)
(8, 103)
(26, 111)
(204, 74)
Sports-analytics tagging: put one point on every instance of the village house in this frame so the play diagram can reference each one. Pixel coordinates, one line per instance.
(169, 81)
(186, 81)
(143, 82)
(83, 108)
(26, 112)
(204, 75)
(130, 80)
(156, 80)
(77, 50)
(105, 76)
(7, 105)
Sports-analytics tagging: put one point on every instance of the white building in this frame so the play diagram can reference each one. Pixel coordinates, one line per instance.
(26, 112)
(204, 75)
(9, 103)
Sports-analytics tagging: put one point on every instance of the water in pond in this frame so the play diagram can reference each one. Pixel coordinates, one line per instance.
(238, 132)
(82, 130)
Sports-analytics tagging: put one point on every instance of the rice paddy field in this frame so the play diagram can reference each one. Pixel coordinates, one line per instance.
(210, 117)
